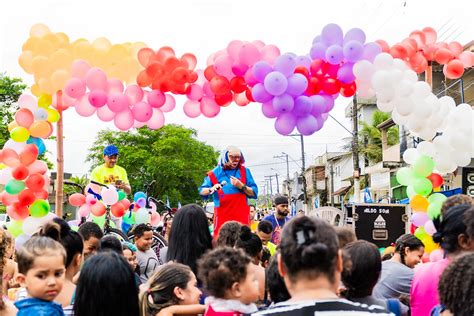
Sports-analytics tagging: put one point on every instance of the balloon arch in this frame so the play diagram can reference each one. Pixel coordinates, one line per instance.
(133, 86)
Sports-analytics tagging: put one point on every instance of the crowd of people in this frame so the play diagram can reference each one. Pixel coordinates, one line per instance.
(285, 266)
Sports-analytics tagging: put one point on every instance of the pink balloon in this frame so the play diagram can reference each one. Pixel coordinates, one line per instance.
(124, 120)
(24, 117)
(467, 59)
(156, 98)
(105, 114)
(38, 166)
(455, 48)
(259, 44)
(206, 88)
(249, 54)
(84, 108)
(115, 86)
(241, 99)
(142, 111)
(270, 53)
(430, 228)
(223, 66)
(239, 69)
(109, 195)
(169, 105)
(155, 217)
(79, 69)
(67, 101)
(117, 102)
(436, 255)
(75, 88)
(268, 111)
(97, 98)
(96, 79)
(233, 49)
(137, 124)
(84, 210)
(209, 108)
(192, 108)
(419, 219)
(249, 78)
(134, 93)
(90, 199)
(157, 120)
(195, 92)
(27, 101)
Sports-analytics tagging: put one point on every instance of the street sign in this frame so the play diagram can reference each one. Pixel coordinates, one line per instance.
(468, 181)
(380, 224)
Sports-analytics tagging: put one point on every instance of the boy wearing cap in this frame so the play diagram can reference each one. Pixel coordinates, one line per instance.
(110, 172)
(278, 218)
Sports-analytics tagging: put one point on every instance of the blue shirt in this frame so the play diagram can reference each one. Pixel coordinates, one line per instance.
(224, 175)
(37, 307)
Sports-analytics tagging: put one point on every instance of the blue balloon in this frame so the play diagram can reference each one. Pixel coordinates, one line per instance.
(38, 142)
(139, 195)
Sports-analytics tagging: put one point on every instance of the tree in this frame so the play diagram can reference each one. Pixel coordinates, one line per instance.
(10, 91)
(172, 156)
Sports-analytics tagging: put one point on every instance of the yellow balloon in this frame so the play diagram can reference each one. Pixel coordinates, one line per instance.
(45, 86)
(26, 61)
(44, 48)
(430, 245)
(35, 90)
(61, 59)
(64, 39)
(82, 49)
(45, 100)
(39, 30)
(101, 44)
(59, 79)
(20, 134)
(53, 39)
(30, 44)
(53, 115)
(40, 66)
(12, 125)
(2, 166)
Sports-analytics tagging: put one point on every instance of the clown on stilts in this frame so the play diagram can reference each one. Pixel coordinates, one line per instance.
(231, 185)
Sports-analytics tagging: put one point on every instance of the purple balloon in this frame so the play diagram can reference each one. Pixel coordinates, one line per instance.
(324, 116)
(268, 111)
(317, 39)
(332, 34)
(306, 125)
(321, 121)
(303, 106)
(259, 93)
(353, 51)
(329, 103)
(334, 54)
(261, 69)
(304, 61)
(275, 83)
(297, 84)
(345, 74)
(419, 219)
(283, 103)
(318, 51)
(355, 34)
(285, 64)
(370, 51)
(319, 105)
(285, 123)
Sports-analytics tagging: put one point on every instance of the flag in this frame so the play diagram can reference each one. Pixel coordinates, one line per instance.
(179, 205)
(168, 202)
(367, 196)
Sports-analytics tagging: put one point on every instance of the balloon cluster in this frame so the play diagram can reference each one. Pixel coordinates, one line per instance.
(93, 92)
(420, 48)
(48, 56)
(164, 71)
(412, 104)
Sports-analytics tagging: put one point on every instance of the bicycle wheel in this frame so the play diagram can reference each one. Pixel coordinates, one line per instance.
(117, 233)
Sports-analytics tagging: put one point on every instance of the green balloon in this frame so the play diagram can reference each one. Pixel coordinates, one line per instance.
(129, 218)
(99, 220)
(39, 208)
(382, 249)
(14, 186)
(420, 233)
(423, 166)
(405, 176)
(122, 195)
(422, 186)
(437, 198)
(411, 191)
(75, 228)
(434, 210)
(15, 228)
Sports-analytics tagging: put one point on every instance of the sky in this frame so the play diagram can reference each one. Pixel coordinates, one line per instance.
(203, 27)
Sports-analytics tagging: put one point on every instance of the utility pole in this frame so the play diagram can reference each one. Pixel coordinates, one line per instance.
(278, 185)
(355, 151)
(271, 186)
(331, 172)
(303, 169)
(285, 156)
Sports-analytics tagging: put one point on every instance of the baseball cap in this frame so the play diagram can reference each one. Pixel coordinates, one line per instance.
(280, 200)
(111, 150)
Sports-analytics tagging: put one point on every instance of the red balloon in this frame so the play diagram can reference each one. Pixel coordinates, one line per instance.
(180, 75)
(317, 66)
(35, 182)
(193, 77)
(118, 210)
(29, 154)
(398, 51)
(155, 69)
(314, 86)
(20, 173)
(143, 79)
(238, 85)
(17, 211)
(220, 85)
(412, 229)
(348, 90)
(77, 199)
(98, 209)
(224, 99)
(125, 203)
(8, 199)
(248, 94)
(209, 73)
(383, 44)
(42, 194)
(443, 56)
(331, 85)
(436, 179)
(418, 63)
(26, 197)
(454, 69)
(302, 70)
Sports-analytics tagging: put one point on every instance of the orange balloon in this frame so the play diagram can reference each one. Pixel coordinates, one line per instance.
(10, 157)
(98, 209)
(41, 129)
(443, 56)
(419, 203)
(454, 69)
(12, 125)
(399, 51)
(29, 154)
(430, 35)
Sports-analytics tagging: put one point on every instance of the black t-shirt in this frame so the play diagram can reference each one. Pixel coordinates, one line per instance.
(323, 307)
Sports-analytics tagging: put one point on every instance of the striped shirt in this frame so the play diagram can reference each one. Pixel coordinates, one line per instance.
(323, 307)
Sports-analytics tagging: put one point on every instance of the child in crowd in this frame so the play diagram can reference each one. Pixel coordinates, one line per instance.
(275, 284)
(6, 307)
(345, 235)
(265, 231)
(41, 267)
(91, 234)
(146, 257)
(129, 252)
(229, 276)
(228, 234)
(10, 268)
(173, 288)
(265, 258)
(110, 243)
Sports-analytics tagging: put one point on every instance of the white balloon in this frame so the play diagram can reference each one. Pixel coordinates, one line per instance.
(405, 106)
(18, 147)
(421, 90)
(396, 75)
(422, 109)
(410, 75)
(426, 148)
(447, 104)
(41, 114)
(427, 133)
(363, 71)
(381, 80)
(462, 159)
(385, 106)
(399, 64)
(385, 96)
(383, 61)
(31, 225)
(442, 144)
(410, 155)
(415, 124)
(404, 88)
(28, 101)
(5, 175)
(398, 118)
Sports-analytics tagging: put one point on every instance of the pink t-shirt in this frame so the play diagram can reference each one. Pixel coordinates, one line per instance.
(424, 288)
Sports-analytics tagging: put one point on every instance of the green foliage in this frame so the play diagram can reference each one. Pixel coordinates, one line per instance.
(10, 91)
(82, 181)
(370, 137)
(171, 155)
